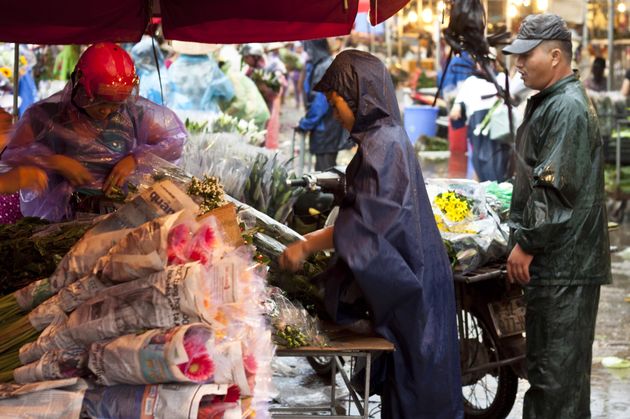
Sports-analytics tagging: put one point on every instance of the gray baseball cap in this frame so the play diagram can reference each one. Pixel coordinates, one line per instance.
(536, 29)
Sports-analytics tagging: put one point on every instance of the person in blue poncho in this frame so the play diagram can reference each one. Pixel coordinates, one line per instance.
(196, 82)
(144, 57)
(326, 135)
(390, 261)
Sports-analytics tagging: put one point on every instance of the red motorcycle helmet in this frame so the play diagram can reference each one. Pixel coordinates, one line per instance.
(106, 72)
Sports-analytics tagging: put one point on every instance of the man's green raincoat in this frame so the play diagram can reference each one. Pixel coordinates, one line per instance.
(558, 214)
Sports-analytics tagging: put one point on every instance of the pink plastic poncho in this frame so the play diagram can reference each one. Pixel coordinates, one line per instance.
(56, 126)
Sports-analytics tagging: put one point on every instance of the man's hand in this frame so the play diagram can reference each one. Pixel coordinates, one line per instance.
(293, 256)
(456, 112)
(518, 265)
(119, 173)
(71, 169)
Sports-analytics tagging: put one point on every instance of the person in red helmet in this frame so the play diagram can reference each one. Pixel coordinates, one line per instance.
(93, 134)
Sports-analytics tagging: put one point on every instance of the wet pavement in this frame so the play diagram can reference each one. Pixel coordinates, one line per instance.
(297, 384)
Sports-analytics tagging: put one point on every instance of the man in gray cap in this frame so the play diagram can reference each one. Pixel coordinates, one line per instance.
(558, 222)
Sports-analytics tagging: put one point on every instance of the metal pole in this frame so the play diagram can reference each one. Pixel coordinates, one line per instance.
(399, 21)
(16, 81)
(388, 40)
(585, 28)
(611, 36)
(438, 44)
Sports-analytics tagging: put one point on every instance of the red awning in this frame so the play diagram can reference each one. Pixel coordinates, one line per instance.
(237, 21)
(210, 21)
(72, 21)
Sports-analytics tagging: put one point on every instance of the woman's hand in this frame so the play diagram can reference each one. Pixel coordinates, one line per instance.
(71, 169)
(293, 256)
(23, 177)
(119, 173)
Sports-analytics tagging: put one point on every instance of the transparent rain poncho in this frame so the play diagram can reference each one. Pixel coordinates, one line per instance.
(197, 84)
(144, 58)
(57, 126)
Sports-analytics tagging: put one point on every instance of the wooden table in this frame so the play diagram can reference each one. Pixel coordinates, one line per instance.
(341, 343)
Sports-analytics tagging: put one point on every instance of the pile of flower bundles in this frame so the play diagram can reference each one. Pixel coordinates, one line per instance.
(171, 302)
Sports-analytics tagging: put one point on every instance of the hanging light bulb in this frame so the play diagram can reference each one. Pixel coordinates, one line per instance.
(427, 15)
(412, 17)
(441, 6)
(621, 7)
(526, 3)
(542, 5)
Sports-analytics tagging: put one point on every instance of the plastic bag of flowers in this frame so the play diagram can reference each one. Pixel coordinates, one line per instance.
(164, 299)
(293, 326)
(467, 221)
(187, 353)
(54, 365)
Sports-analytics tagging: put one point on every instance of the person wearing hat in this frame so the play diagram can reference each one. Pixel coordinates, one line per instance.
(257, 62)
(558, 221)
(197, 87)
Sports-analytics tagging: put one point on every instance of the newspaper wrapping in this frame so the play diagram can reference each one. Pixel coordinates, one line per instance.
(153, 401)
(43, 400)
(183, 354)
(162, 198)
(138, 254)
(164, 299)
(57, 364)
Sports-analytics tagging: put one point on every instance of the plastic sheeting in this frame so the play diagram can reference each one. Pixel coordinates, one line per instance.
(56, 126)
(481, 236)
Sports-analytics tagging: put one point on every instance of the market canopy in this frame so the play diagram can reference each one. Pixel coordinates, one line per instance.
(210, 21)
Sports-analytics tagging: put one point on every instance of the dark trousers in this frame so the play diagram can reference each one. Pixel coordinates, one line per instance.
(325, 161)
(560, 326)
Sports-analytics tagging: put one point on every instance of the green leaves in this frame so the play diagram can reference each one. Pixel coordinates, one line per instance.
(31, 249)
(267, 189)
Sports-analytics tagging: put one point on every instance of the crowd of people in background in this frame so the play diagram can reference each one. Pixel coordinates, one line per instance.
(252, 82)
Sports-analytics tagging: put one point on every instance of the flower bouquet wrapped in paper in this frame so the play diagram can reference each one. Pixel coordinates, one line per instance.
(187, 353)
(165, 299)
(54, 365)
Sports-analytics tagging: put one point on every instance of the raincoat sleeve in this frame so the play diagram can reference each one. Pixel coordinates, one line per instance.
(159, 132)
(556, 178)
(24, 147)
(316, 111)
(371, 236)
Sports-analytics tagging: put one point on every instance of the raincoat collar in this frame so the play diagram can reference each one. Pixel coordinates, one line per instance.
(551, 90)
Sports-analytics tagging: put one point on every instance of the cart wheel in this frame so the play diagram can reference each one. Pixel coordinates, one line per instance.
(322, 365)
(490, 393)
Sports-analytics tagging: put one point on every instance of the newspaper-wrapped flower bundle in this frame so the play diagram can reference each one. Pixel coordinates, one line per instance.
(175, 299)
